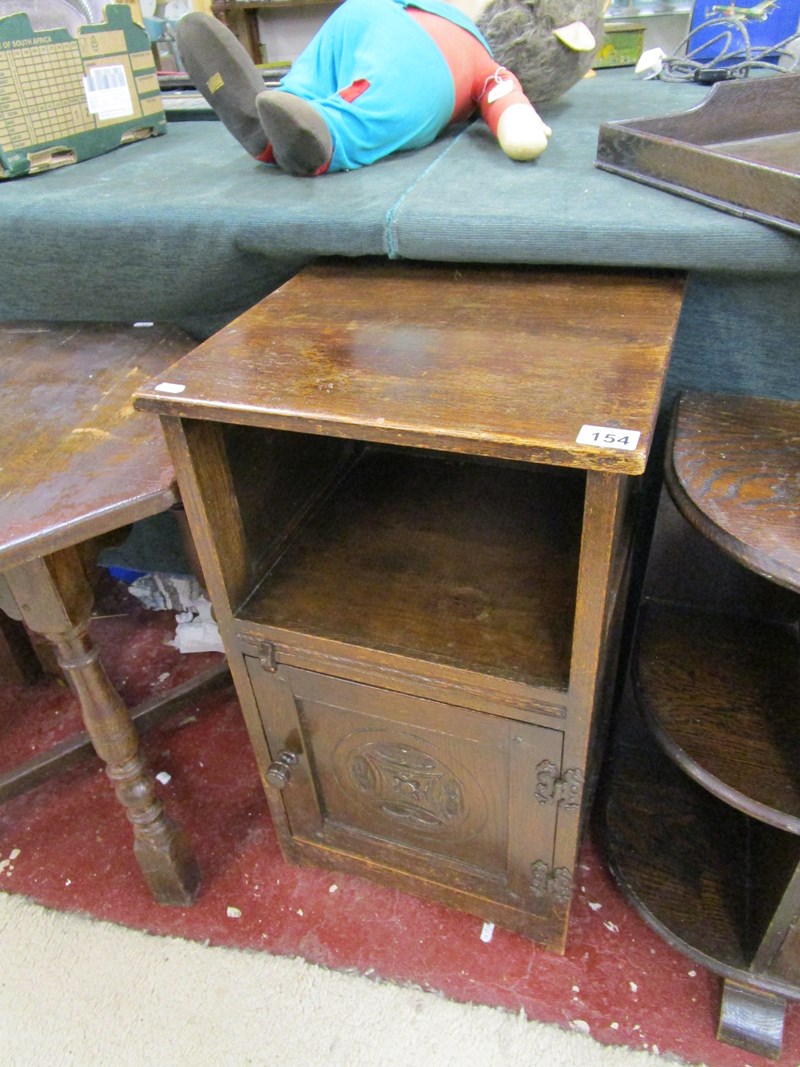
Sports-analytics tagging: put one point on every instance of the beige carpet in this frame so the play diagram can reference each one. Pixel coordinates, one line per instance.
(77, 991)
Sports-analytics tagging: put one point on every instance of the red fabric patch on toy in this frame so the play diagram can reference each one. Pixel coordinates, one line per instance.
(352, 92)
(267, 156)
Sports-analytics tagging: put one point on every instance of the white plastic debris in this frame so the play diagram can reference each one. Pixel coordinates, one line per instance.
(7, 865)
(166, 592)
(650, 63)
(196, 631)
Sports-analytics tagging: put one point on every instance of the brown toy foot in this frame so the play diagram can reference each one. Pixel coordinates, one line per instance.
(225, 76)
(301, 141)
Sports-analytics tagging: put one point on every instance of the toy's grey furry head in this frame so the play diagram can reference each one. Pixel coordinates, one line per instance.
(520, 33)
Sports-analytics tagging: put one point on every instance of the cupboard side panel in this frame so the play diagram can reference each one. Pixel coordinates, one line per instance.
(207, 493)
(599, 573)
(204, 480)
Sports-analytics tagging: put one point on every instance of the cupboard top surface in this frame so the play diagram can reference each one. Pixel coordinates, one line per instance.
(506, 362)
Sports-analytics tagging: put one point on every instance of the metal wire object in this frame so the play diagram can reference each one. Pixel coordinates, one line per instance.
(736, 55)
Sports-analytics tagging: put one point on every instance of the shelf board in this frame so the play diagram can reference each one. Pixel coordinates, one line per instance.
(720, 693)
(734, 472)
(688, 863)
(676, 852)
(470, 564)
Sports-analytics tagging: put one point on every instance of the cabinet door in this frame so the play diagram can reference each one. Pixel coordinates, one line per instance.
(444, 793)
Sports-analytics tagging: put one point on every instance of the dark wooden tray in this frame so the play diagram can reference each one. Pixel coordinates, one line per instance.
(738, 151)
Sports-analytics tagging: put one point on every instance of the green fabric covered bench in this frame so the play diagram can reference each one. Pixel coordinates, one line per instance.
(187, 229)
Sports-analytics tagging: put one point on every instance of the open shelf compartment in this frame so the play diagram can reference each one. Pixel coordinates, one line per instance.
(466, 563)
(720, 693)
(703, 874)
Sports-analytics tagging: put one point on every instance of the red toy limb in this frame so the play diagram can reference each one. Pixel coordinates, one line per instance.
(478, 80)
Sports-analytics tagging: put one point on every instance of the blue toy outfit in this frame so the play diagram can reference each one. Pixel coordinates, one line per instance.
(378, 79)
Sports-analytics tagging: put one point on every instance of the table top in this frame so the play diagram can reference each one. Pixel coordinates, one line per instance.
(563, 367)
(76, 460)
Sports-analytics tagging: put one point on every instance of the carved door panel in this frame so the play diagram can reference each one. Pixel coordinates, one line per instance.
(419, 786)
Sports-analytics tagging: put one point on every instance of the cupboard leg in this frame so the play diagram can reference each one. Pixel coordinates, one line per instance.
(55, 600)
(751, 1019)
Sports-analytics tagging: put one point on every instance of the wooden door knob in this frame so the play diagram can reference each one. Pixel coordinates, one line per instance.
(279, 772)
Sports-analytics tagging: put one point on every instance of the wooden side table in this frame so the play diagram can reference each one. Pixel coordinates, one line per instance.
(77, 461)
(409, 488)
(704, 827)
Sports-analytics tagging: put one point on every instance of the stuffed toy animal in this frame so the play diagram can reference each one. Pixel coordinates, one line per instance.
(379, 77)
(549, 44)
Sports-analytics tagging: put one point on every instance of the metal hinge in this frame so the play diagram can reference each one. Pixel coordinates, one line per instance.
(555, 883)
(266, 656)
(566, 789)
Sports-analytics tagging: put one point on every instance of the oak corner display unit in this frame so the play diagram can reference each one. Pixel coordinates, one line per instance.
(703, 815)
(409, 486)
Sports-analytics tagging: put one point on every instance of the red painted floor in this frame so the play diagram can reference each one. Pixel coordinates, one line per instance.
(66, 844)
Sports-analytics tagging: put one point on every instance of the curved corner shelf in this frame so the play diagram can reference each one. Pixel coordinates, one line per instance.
(720, 693)
(703, 828)
(688, 863)
(733, 470)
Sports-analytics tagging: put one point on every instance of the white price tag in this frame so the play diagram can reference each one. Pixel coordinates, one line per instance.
(499, 90)
(608, 437)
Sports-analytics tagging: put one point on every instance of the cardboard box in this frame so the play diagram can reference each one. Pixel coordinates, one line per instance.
(64, 99)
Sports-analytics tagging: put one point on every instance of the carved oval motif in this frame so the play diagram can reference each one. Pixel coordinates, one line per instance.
(401, 777)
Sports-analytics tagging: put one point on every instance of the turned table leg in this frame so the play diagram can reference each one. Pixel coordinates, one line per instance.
(55, 600)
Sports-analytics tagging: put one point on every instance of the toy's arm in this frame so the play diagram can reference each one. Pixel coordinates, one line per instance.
(521, 133)
(511, 117)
